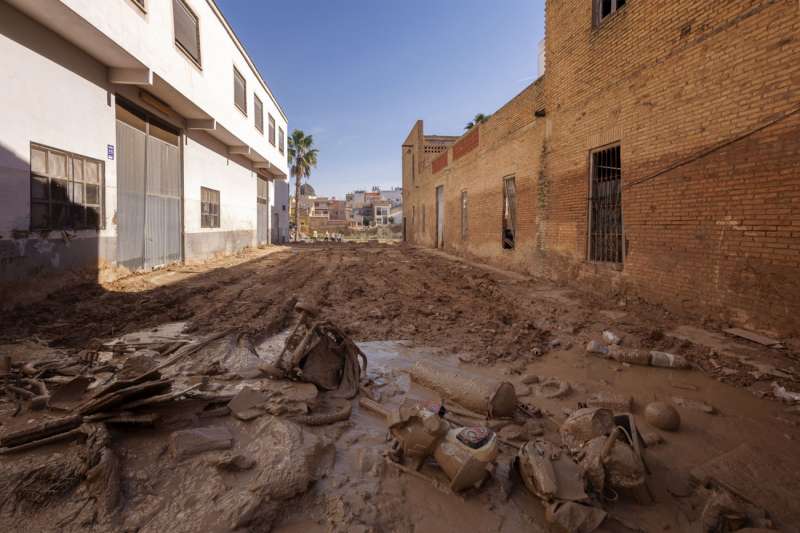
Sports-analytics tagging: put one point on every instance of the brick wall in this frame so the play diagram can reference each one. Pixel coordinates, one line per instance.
(699, 96)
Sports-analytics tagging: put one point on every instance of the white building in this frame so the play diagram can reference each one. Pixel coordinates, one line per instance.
(134, 133)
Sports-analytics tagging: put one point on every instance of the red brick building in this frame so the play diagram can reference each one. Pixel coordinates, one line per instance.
(658, 156)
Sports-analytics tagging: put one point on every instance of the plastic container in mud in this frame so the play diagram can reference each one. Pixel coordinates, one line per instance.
(465, 454)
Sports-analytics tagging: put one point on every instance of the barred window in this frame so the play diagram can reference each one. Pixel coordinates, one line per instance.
(187, 29)
(605, 206)
(209, 208)
(67, 190)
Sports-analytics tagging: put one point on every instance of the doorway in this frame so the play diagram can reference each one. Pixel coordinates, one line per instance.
(440, 216)
(149, 190)
(262, 213)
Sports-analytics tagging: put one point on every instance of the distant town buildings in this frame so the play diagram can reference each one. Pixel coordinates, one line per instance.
(359, 209)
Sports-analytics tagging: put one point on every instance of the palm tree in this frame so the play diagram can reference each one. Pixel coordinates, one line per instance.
(302, 158)
(480, 118)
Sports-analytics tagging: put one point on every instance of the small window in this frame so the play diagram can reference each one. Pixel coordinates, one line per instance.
(187, 29)
(413, 214)
(258, 108)
(464, 219)
(605, 8)
(423, 218)
(509, 213)
(281, 141)
(239, 91)
(272, 130)
(605, 206)
(67, 190)
(209, 208)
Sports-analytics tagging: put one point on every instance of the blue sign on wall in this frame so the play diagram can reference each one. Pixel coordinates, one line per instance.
(110, 152)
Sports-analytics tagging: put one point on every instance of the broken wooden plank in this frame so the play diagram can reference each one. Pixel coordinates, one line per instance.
(51, 427)
(148, 419)
(754, 337)
(758, 477)
(75, 434)
(123, 396)
(157, 400)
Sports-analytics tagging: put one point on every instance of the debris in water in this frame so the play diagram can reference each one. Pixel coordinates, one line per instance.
(663, 416)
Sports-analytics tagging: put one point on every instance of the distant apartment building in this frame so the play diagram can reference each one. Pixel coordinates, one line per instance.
(136, 133)
(656, 156)
(376, 207)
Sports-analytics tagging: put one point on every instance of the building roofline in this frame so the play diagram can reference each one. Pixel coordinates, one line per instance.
(243, 50)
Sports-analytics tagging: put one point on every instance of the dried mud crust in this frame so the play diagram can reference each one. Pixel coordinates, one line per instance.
(372, 292)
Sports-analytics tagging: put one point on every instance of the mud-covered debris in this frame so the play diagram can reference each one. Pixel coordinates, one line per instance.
(695, 405)
(662, 416)
(553, 387)
(536, 468)
(575, 517)
(612, 461)
(248, 404)
(783, 394)
(586, 424)
(40, 431)
(478, 393)
(609, 337)
(465, 454)
(189, 442)
(321, 354)
(112, 400)
(668, 360)
(530, 379)
(610, 400)
(71, 391)
(235, 462)
(597, 348)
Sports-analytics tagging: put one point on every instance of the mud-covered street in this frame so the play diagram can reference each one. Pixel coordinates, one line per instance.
(208, 328)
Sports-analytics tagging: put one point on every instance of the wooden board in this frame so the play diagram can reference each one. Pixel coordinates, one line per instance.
(766, 481)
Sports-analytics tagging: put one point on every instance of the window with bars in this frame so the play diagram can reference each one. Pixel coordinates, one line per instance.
(605, 8)
(464, 219)
(272, 130)
(209, 208)
(605, 206)
(239, 91)
(509, 212)
(281, 141)
(67, 190)
(187, 29)
(258, 112)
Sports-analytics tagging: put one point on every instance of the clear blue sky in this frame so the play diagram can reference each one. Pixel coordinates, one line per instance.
(357, 73)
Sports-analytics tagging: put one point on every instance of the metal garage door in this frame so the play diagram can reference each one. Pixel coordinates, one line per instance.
(262, 215)
(148, 192)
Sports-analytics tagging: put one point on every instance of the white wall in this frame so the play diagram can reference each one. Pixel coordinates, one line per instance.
(281, 206)
(52, 94)
(149, 39)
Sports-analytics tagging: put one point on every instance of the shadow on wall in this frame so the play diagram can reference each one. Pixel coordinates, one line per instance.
(44, 243)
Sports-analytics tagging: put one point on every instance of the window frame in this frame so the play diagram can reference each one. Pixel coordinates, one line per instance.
(512, 214)
(272, 129)
(591, 256)
(597, 9)
(205, 212)
(257, 103)
(198, 62)
(244, 91)
(281, 140)
(142, 6)
(69, 159)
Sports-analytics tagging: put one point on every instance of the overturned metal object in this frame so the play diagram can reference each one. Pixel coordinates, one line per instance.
(497, 399)
(324, 355)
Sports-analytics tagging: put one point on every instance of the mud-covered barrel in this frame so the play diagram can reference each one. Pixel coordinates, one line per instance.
(477, 393)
